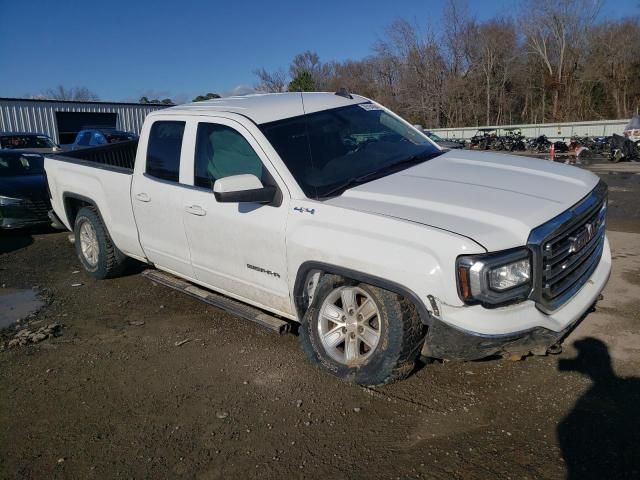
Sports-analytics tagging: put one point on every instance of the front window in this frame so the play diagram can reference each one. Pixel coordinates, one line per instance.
(332, 150)
(221, 152)
(14, 164)
(26, 141)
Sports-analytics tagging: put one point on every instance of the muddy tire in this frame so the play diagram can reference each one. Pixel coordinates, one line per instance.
(383, 329)
(94, 247)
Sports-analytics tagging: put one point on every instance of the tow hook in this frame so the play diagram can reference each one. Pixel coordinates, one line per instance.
(434, 305)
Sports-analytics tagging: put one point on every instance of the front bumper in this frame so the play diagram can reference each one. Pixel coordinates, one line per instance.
(23, 215)
(471, 332)
(446, 342)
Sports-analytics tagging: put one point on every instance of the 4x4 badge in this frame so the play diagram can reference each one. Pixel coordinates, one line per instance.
(305, 210)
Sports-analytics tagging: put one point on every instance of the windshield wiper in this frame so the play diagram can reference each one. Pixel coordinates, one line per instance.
(382, 172)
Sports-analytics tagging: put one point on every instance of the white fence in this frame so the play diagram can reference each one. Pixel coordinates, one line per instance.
(560, 131)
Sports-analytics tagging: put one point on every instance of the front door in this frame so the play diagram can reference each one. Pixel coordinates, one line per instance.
(237, 248)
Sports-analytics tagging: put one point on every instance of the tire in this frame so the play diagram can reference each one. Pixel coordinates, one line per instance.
(616, 156)
(401, 334)
(585, 157)
(107, 261)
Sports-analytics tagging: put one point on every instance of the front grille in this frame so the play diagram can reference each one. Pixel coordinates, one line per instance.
(38, 208)
(568, 249)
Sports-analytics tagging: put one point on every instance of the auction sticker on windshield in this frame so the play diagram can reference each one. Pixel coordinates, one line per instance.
(369, 106)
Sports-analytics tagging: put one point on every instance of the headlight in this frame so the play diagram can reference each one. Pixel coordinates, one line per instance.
(5, 201)
(496, 278)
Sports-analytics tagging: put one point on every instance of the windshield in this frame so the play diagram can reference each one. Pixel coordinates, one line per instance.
(14, 164)
(434, 137)
(26, 141)
(344, 146)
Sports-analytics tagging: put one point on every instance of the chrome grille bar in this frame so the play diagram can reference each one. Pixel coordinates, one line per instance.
(567, 249)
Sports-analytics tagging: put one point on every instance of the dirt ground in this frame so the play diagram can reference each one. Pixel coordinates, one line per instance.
(119, 394)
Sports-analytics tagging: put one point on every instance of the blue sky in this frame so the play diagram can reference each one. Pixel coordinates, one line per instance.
(180, 48)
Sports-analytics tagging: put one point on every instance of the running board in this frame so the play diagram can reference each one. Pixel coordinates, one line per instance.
(230, 305)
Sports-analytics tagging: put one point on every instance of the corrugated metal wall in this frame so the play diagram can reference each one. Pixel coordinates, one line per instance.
(560, 131)
(18, 115)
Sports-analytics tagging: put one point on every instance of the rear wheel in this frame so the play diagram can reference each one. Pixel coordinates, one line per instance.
(94, 247)
(616, 156)
(361, 333)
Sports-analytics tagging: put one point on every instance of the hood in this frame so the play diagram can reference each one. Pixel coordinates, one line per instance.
(33, 187)
(494, 199)
(449, 144)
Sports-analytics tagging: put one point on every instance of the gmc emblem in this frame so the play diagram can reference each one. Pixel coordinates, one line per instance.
(578, 242)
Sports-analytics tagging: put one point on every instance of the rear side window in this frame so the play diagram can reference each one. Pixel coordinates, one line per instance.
(163, 151)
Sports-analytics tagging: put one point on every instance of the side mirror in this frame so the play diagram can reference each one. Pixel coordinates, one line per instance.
(243, 188)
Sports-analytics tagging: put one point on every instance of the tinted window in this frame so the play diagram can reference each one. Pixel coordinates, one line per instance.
(14, 164)
(163, 151)
(333, 148)
(221, 152)
(97, 139)
(114, 137)
(26, 141)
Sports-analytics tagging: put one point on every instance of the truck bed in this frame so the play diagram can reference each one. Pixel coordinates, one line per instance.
(101, 177)
(121, 156)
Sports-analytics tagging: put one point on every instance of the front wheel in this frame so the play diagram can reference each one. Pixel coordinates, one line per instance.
(360, 333)
(94, 247)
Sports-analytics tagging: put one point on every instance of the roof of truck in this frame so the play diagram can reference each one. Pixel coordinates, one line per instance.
(268, 107)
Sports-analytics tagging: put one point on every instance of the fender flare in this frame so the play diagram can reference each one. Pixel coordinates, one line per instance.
(75, 196)
(306, 267)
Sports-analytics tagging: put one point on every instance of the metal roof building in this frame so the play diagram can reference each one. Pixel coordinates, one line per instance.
(61, 120)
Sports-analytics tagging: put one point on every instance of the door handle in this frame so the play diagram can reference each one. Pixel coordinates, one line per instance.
(143, 197)
(196, 210)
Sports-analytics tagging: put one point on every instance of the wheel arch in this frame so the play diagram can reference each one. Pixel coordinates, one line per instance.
(312, 267)
(73, 203)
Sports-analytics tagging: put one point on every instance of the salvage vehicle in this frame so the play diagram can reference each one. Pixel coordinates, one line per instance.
(93, 137)
(32, 142)
(444, 142)
(329, 212)
(483, 139)
(632, 130)
(512, 140)
(23, 190)
(623, 148)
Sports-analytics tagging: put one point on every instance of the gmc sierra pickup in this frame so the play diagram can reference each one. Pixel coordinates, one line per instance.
(331, 211)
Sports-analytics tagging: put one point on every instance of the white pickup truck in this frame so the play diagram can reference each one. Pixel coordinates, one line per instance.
(330, 212)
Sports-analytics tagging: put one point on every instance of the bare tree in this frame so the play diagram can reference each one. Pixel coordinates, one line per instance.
(562, 63)
(555, 31)
(494, 51)
(309, 62)
(614, 66)
(271, 82)
(78, 94)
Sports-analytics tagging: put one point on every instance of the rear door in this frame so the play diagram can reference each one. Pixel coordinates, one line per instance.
(236, 248)
(157, 197)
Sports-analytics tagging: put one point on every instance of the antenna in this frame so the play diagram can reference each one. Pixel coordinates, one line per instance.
(343, 92)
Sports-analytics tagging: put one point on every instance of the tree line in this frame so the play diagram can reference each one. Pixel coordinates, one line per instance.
(558, 61)
(83, 94)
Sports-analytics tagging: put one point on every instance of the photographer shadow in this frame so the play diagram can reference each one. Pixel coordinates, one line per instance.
(600, 437)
